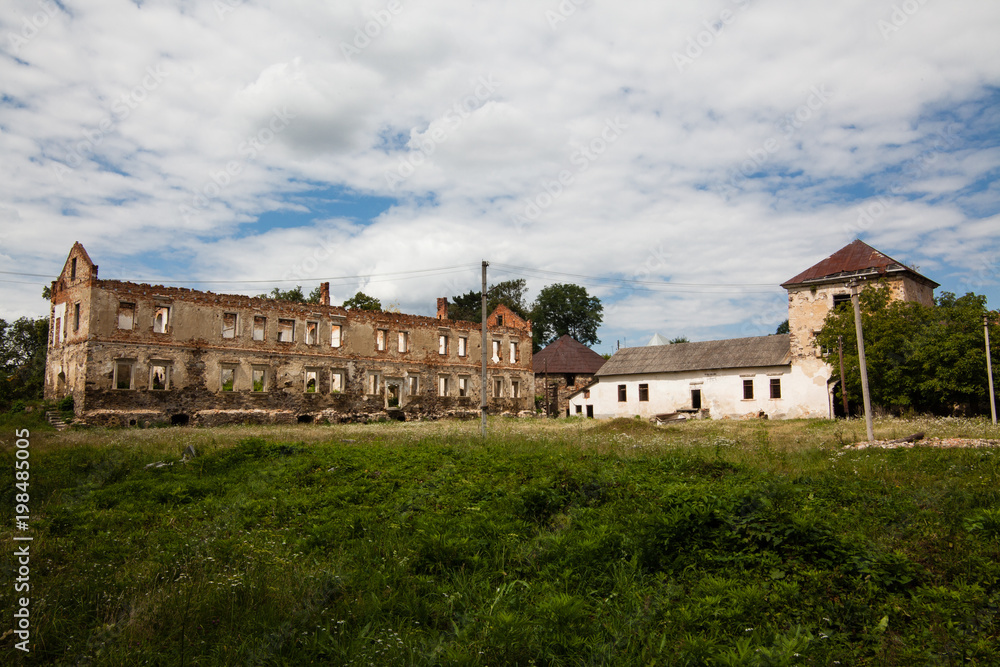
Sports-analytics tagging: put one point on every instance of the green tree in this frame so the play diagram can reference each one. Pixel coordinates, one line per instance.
(679, 339)
(362, 301)
(23, 345)
(919, 358)
(782, 328)
(295, 295)
(562, 309)
(468, 307)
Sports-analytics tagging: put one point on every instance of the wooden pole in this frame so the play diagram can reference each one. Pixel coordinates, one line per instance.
(989, 369)
(861, 361)
(843, 380)
(483, 387)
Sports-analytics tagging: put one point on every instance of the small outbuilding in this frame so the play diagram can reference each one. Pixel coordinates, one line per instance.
(560, 369)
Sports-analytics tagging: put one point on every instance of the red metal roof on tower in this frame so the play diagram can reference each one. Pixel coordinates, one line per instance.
(855, 258)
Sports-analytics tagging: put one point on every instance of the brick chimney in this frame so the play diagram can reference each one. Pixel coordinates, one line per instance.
(324, 294)
(443, 308)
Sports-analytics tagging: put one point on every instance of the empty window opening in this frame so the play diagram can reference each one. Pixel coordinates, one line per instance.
(380, 335)
(463, 386)
(123, 374)
(586, 393)
(335, 333)
(337, 382)
(76, 317)
(643, 392)
(259, 327)
(696, 399)
(180, 420)
(312, 333)
(404, 341)
(442, 344)
(840, 300)
(312, 381)
(286, 331)
(228, 378)
(159, 376)
(161, 320)
(747, 390)
(392, 395)
(442, 386)
(775, 387)
(413, 385)
(259, 379)
(515, 354)
(58, 330)
(499, 320)
(622, 393)
(498, 387)
(373, 383)
(515, 389)
(579, 409)
(72, 269)
(305, 419)
(126, 316)
(463, 346)
(590, 411)
(496, 352)
(229, 325)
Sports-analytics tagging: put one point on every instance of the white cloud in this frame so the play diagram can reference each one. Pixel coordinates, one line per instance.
(139, 129)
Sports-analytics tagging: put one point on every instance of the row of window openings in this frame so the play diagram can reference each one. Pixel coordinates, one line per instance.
(159, 379)
(775, 386)
(286, 333)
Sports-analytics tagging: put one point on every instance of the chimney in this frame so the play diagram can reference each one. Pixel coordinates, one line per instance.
(324, 294)
(443, 308)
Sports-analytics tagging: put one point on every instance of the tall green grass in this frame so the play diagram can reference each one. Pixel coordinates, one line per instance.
(550, 543)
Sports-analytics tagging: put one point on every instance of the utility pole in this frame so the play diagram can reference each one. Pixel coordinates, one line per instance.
(843, 385)
(989, 369)
(482, 389)
(861, 360)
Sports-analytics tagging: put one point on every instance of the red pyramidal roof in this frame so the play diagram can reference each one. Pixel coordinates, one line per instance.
(855, 259)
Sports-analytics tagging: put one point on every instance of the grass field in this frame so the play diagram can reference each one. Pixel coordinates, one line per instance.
(564, 542)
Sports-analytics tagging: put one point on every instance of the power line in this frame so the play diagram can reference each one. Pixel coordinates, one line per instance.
(644, 285)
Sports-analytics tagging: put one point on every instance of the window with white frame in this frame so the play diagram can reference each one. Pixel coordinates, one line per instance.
(515, 354)
(312, 380)
(463, 346)
(442, 343)
(259, 378)
(286, 331)
(463, 386)
(336, 332)
(443, 385)
(161, 319)
(124, 373)
(495, 357)
(159, 375)
(229, 325)
(380, 336)
(403, 341)
(227, 379)
(337, 381)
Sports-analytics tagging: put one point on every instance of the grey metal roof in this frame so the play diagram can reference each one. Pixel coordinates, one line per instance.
(703, 356)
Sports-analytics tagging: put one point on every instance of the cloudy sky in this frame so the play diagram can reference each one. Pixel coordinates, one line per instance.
(678, 159)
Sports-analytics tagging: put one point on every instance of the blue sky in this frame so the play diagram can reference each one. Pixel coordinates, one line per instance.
(706, 151)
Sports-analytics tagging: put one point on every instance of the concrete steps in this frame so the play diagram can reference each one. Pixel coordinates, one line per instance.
(55, 419)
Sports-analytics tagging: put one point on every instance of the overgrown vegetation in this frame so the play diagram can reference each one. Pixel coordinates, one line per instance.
(920, 358)
(551, 543)
(23, 344)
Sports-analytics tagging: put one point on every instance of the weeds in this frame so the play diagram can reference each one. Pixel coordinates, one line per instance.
(739, 543)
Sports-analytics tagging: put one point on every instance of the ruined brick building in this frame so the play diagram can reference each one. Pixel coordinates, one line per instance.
(132, 354)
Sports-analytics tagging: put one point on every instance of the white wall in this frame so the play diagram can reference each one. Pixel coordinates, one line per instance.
(721, 394)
